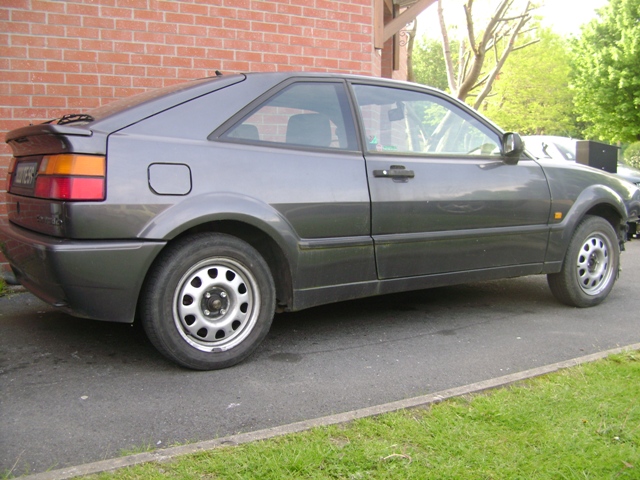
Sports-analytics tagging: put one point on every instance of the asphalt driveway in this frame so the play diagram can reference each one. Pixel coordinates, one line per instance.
(74, 391)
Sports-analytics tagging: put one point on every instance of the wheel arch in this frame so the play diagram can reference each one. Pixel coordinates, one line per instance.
(597, 200)
(264, 244)
(255, 222)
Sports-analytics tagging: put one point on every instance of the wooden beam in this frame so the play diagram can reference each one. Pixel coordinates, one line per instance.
(395, 25)
(378, 24)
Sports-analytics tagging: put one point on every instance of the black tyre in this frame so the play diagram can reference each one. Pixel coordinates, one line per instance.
(590, 266)
(208, 302)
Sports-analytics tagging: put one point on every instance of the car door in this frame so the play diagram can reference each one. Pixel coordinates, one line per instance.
(443, 197)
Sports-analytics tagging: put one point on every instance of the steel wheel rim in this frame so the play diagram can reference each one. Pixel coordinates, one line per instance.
(216, 304)
(594, 264)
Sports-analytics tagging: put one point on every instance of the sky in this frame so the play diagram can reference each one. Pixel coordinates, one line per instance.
(563, 16)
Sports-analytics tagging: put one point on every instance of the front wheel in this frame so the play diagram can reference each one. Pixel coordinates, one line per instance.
(208, 302)
(590, 267)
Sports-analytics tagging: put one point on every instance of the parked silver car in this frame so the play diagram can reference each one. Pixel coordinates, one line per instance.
(203, 208)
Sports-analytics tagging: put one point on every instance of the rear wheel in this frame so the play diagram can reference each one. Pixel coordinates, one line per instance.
(209, 301)
(590, 266)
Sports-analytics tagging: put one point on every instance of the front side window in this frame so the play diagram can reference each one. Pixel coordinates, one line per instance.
(405, 121)
(304, 114)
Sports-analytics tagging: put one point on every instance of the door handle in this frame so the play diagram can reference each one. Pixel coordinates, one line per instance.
(394, 171)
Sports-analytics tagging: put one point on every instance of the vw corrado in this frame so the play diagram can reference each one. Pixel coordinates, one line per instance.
(203, 208)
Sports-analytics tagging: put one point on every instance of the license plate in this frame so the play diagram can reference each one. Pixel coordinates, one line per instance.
(25, 174)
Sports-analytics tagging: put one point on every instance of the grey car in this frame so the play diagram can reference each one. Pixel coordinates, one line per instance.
(204, 208)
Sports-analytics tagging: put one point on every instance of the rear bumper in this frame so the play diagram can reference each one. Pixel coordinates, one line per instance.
(94, 279)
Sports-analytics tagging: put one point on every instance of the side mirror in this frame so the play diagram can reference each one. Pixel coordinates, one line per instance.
(512, 146)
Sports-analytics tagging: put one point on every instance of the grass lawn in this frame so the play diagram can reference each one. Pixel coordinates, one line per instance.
(580, 423)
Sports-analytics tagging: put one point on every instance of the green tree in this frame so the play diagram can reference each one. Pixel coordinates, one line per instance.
(606, 80)
(531, 94)
(428, 63)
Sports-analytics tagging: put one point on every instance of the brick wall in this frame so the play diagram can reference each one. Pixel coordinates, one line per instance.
(59, 57)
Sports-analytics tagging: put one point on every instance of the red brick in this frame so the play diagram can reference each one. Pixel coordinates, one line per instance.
(115, 80)
(116, 12)
(179, 18)
(63, 90)
(39, 101)
(127, 92)
(83, 9)
(96, 91)
(252, 15)
(161, 72)
(15, 52)
(182, 62)
(83, 103)
(18, 4)
(45, 53)
(249, 56)
(146, 59)
(235, 24)
(98, 45)
(129, 47)
(196, 31)
(147, 15)
(223, 12)
(250, 36)
(130, 70)
(31, 113)
(180, 40)
(267, 6)
(195, 9)
(209, 42)
(83, 32)
(14, 100)
(162, 27)
(218, 54)
(15, 76)
(193, 52)
(28, 16)
(69, 67)
(290, 30)
(236, 66)
(109, 57)
(14, 27)
(27, 88)
(237, 44)
(82, 79)
(27, 65)
(130, 26)
(209, 21)
(96, 68)
(147, 82)
(98, 22)
(66, 43)
(140, 4)
(152, 49)
(58, 19)
(46, 6)
(277, 18)
(168, 6)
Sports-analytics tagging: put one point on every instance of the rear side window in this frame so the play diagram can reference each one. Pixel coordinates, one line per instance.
(304, 114)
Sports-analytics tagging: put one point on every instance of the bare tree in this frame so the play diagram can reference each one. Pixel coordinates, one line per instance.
(481, 56)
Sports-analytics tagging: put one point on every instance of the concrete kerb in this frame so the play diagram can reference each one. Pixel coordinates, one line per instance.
(168, 454)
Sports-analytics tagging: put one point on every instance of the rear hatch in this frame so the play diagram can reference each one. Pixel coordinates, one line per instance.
(64, 160)
(45, 172)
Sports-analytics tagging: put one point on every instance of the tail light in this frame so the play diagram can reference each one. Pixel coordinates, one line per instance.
(12, 167)
(71, 177)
